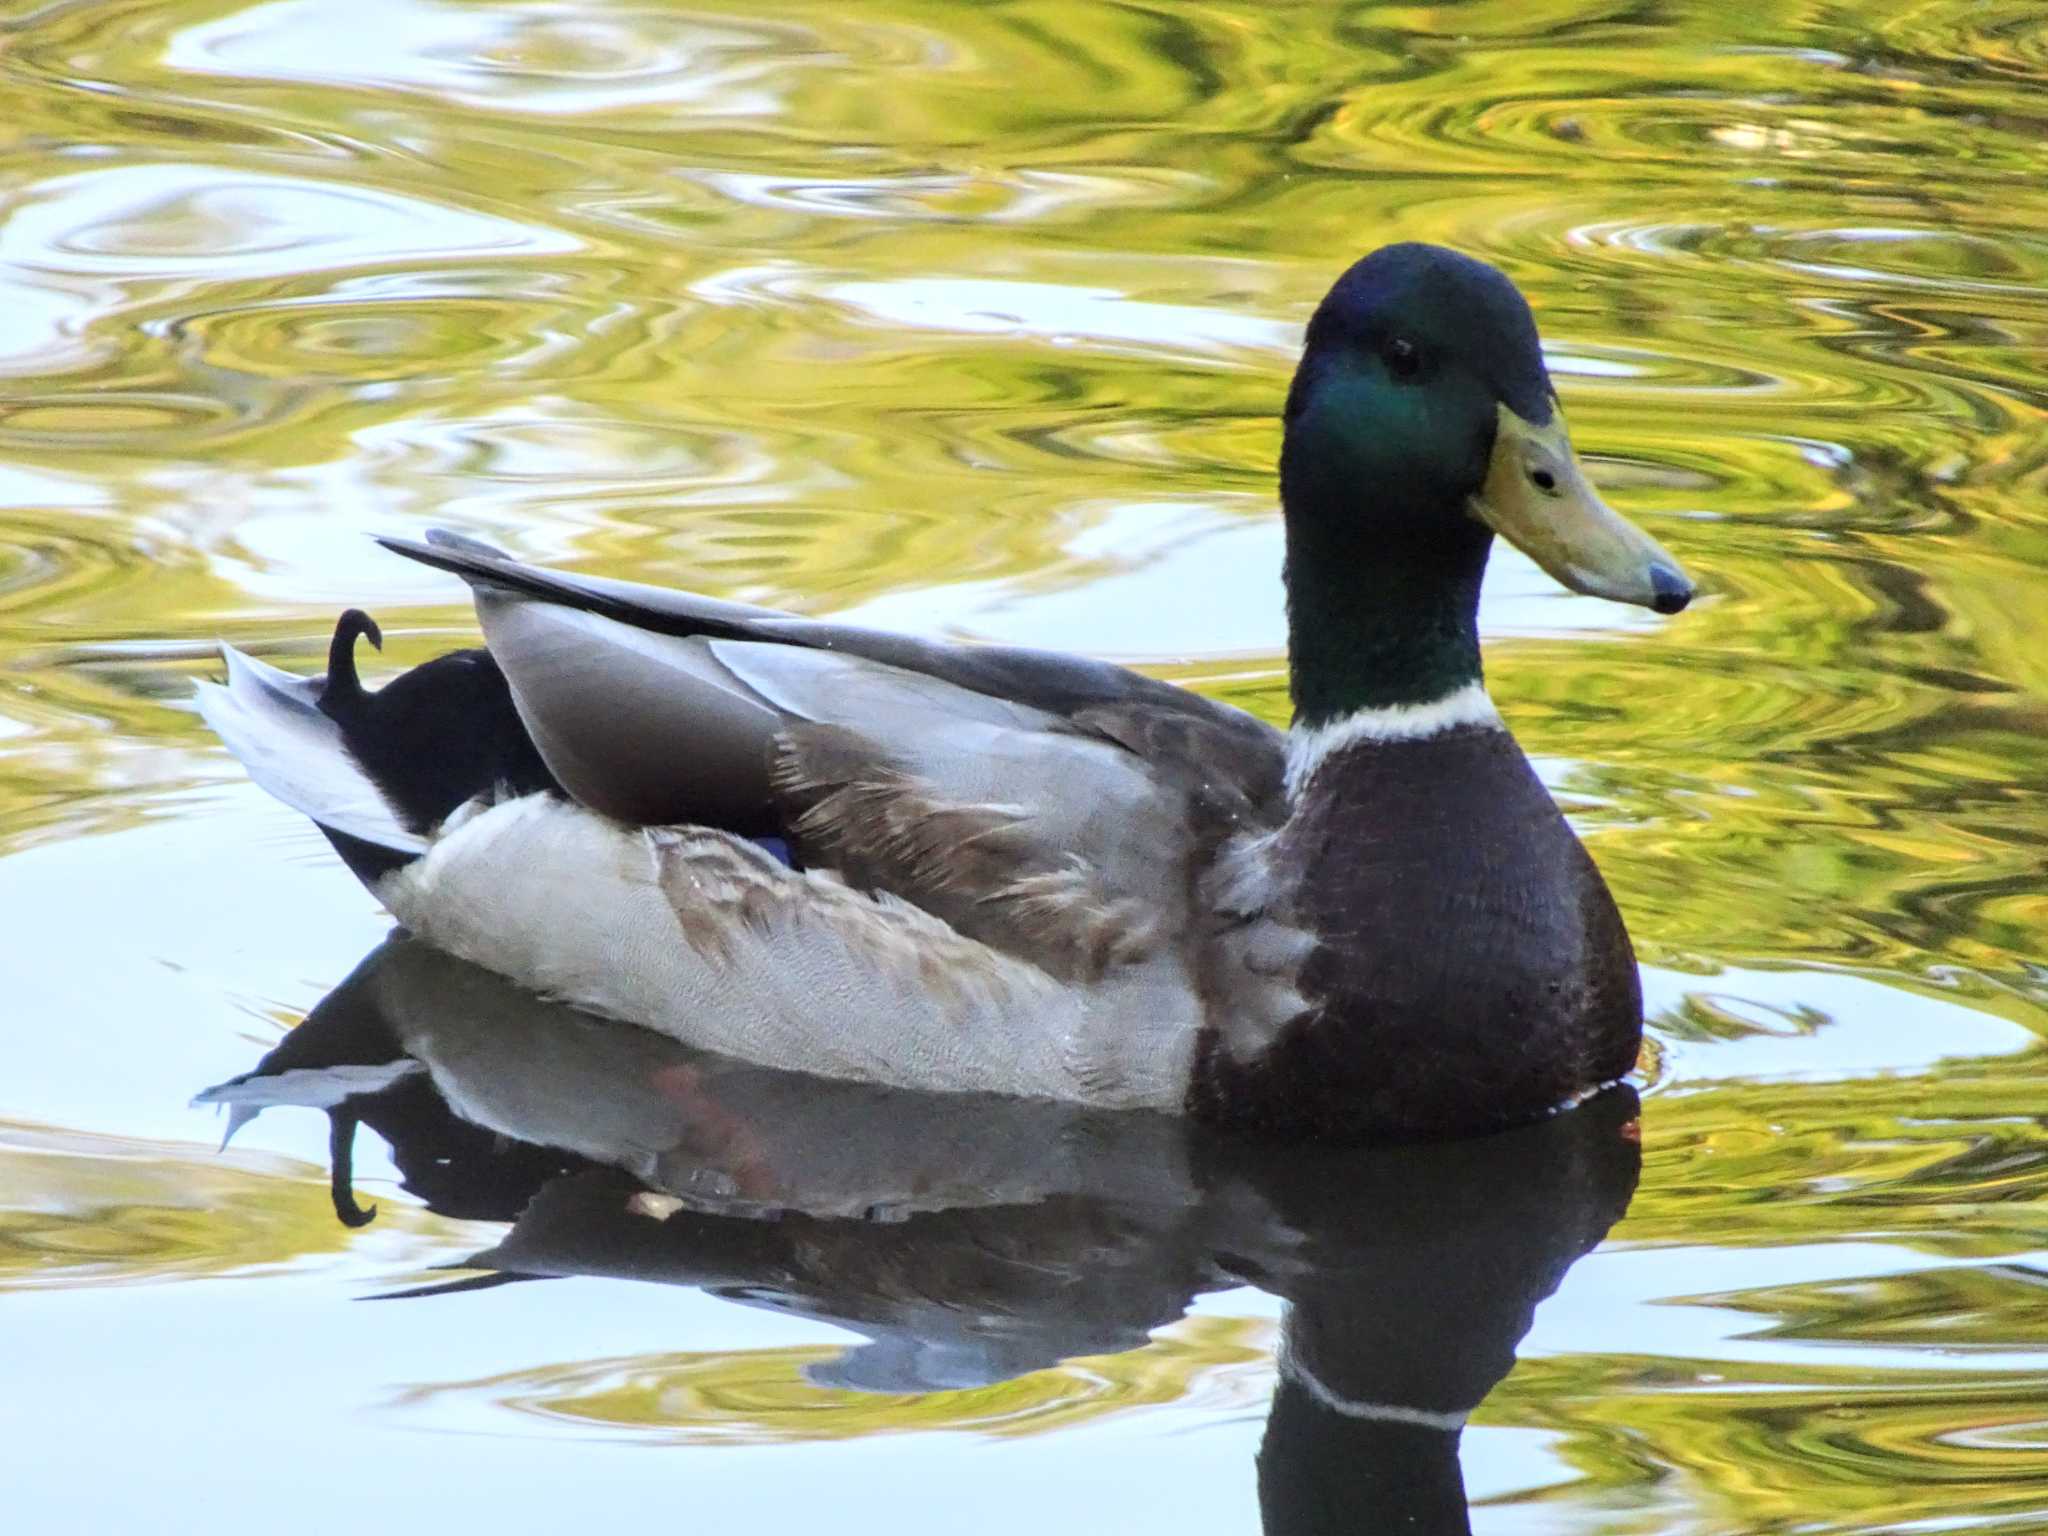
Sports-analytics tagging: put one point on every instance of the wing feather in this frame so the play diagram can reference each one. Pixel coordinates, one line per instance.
(1052, 807)
(648, 728)
(1240, 751)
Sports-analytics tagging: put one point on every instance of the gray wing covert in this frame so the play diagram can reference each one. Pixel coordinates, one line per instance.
(1050, 806)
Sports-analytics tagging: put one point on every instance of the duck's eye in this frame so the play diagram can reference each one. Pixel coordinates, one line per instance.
(1404, 358)
(1545, 480)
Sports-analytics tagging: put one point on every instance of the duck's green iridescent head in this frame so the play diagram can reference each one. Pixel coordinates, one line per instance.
(1422, 422)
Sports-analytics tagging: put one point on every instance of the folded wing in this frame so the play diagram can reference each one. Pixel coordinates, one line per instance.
(1046, 805)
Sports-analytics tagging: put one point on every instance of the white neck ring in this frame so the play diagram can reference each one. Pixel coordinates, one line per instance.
(1466, 708)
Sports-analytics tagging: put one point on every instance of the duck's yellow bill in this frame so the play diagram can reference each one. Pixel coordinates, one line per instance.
(1539, 500)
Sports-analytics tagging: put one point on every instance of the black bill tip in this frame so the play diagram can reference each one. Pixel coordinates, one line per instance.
(1669, 591)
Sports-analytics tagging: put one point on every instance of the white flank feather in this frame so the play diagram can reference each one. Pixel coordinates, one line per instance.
(702, 936)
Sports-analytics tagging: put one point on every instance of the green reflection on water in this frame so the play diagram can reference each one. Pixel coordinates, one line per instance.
(761, 1396)
(822, 308)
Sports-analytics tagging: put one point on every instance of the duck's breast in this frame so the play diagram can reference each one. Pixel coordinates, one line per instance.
(1462, 964)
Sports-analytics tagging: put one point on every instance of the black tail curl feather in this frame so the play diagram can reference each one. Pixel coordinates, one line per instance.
(435, 737)
(341, 1153)
(343, 686)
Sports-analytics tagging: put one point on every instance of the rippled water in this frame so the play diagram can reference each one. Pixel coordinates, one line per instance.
(976, 320)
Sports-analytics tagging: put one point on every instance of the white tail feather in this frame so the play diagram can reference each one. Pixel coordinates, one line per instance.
(271, 721)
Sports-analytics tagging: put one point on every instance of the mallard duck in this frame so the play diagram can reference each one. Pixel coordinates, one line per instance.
(987, 869)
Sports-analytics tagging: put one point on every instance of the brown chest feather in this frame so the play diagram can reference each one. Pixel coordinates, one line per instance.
(1467, 967)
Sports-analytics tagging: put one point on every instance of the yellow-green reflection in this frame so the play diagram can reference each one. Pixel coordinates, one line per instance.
(812, 304)
(747, 1396)
(99, 1210)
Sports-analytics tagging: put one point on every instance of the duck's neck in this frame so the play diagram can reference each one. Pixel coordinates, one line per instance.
(1382, 594)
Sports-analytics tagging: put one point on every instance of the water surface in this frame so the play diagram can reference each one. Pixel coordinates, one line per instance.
(975, 320)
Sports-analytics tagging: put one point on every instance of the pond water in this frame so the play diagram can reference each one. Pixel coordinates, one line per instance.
(975, 320)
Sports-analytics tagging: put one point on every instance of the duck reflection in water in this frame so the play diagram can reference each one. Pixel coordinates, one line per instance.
(972, 1240)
